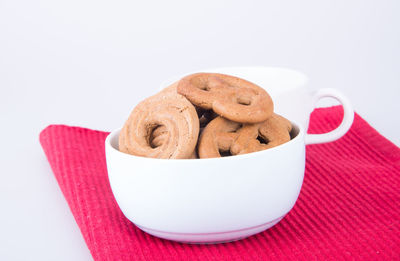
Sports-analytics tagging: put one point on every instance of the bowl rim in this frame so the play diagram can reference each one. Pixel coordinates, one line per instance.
(302, 77)
(298, 138)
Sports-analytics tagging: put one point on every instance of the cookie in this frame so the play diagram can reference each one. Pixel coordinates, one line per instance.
(230, 97)
(222, 137)
(164, 126)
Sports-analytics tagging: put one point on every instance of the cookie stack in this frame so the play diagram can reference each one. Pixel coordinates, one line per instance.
(204, 115)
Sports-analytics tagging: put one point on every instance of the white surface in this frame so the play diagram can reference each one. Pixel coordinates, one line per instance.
(199, 199)
(71, 61)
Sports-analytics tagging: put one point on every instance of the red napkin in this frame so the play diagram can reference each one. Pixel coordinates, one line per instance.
(348, 207)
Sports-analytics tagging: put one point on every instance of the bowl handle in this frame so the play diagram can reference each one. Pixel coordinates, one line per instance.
(348, 117)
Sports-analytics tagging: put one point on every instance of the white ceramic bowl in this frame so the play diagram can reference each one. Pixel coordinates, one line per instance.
(207, 200)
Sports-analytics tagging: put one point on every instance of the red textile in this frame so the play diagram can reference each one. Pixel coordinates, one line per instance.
(348, 207)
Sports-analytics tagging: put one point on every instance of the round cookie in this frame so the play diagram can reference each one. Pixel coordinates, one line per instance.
(222, 137)
(230, 97)
(162, 126)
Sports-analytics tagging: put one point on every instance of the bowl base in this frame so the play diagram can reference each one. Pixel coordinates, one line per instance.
(210, 238)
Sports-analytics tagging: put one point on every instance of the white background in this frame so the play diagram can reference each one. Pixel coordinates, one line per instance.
(87, 63)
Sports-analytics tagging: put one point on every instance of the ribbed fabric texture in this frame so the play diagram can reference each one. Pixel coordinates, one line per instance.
(348, 207)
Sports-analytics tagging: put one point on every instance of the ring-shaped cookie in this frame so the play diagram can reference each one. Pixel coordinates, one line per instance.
(162, 126)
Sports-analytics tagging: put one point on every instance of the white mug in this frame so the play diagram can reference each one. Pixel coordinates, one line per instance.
(223, 199)
(292, 98)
